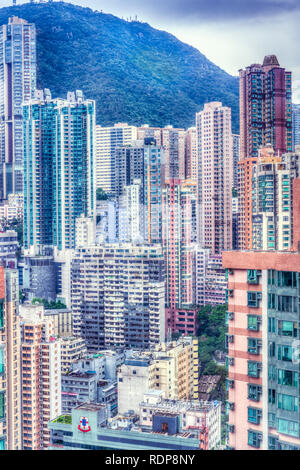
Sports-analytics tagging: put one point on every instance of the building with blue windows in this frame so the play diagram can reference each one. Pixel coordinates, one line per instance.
(58, 167)
(18, 85)
(296, 125)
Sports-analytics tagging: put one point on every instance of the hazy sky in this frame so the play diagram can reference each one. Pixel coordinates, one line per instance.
(231, 33)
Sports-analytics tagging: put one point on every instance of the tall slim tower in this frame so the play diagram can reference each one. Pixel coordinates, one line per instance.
(215, 177)
(265, 108)
(18, 84)
(10, 339)
(41, 376)
(177, 203)
(272, 200)
(3, 366)
(191, 154)
(59, 176)
(265, 119)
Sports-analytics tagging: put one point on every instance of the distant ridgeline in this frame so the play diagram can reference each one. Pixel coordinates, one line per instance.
(135, 73)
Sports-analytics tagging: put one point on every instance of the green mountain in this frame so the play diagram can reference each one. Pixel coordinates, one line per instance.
(136, 74)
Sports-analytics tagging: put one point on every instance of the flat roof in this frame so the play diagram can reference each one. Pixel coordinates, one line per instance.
(90, 407)
(277, 260)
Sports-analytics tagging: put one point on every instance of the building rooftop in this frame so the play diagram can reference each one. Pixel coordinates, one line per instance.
(207, 383)
(270, 60)
(56, 311)
(176, 406)
(79, 374)
(91, 407)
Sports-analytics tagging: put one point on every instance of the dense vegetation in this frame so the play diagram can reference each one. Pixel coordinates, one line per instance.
(211, 332)
(136, 74)
(49, 305)
(102, 195)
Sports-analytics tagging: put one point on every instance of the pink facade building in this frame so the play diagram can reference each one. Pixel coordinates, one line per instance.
(263, 345)
(265, 108)
(265, 119)
(179, 252)
(41, 376)
(215, 177)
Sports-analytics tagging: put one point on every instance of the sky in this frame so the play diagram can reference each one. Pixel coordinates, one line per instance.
(231, 33)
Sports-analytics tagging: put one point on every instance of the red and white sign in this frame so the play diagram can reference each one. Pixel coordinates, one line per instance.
(84, 425)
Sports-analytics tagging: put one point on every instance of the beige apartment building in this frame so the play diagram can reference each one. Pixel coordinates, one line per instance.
(170, 367)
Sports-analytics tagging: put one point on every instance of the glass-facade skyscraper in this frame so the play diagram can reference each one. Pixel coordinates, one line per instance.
(58, 167)
(17, 85)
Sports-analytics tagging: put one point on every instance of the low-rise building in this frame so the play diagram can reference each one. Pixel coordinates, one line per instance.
(202, 415)
(89, 427)
(63, 321)
(72, 349)
(92, 379)
(170, 367)
(9, 246)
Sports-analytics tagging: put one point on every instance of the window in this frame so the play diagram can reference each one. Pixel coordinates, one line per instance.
(271, 301)
(253, 298)
(252, 276)
(1, 361)
(285, 353)
(253, 322)
(288, 378)
(287, 402)
(253, 345)
(229, 339)
(229, 293)
(287, 328)
(254, 369)
(271, 278)
(272, 419)
(2, 443)
(254, 439)
(272, 349)
(272, 443)
(271, 325)
(254, 392)
(286, 279)
(271, 396)
(230, 315)
(290, 428)
(2, 405)
(229, 384)
(254, 415)
(272, 372)
(287, 303)
(231, 428)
